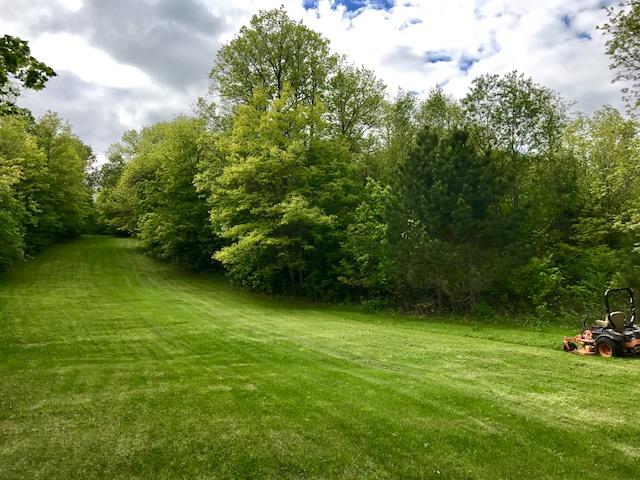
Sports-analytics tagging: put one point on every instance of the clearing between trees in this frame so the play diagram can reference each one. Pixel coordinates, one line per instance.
(113, 365)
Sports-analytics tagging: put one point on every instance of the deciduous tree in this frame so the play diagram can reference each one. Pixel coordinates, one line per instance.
(174, 220)
(354, 104)
(64, 204)
(270, 54)
(520, 119)
(277, 194)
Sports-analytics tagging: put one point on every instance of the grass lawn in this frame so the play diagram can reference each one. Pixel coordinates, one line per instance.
(115, 366)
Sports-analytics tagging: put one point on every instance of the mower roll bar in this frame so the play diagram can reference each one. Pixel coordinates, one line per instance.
(631, 302)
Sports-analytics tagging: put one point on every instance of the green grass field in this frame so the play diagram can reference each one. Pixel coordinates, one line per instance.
(115, 366)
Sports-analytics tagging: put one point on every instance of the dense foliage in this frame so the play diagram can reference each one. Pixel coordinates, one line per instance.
(44, 196)
(147, 188)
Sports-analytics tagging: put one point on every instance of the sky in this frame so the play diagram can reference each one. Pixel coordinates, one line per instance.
(124, 64)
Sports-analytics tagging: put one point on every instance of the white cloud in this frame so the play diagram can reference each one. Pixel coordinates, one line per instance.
(62, 51)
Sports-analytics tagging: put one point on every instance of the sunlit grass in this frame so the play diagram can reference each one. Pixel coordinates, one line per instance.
(116, 366)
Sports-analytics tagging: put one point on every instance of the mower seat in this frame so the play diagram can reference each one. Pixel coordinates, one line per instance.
(616, 320)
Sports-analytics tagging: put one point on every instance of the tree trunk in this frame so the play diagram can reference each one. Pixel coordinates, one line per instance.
(440, 298)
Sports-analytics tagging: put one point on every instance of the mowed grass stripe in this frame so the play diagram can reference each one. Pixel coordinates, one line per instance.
(113, 365)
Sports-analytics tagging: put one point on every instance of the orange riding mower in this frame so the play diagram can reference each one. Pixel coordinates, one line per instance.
(614, 336)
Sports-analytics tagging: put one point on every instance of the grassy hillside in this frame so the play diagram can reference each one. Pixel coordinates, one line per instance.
(115, 366)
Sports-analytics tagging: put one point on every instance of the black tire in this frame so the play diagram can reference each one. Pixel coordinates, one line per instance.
(606, 347)
(569, 347)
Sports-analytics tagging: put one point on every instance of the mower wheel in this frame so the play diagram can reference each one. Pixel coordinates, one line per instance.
(569, 347)
(606, 347)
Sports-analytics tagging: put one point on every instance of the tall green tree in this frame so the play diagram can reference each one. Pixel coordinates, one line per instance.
(64, 204)
(404, 116)
(259, 202)
(270, 54)
(174, 220)
(446, 225)
(276, 195)
(440, 112)
(107, 178)
(520, 119)
(623, 30)
(364, 262)
(316, 118)
(397, 135)
(608, 147)
(273, 54)
(354, 104)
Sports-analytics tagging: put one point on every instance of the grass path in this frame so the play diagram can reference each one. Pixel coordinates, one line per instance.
(115, 366)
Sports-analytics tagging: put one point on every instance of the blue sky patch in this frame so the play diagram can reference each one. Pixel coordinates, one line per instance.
(567, 21)
(465, 63)
(437, 57)
(352, 6)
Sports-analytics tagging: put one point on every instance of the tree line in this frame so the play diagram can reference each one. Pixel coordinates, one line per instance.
(301, 175)
(45, 195)
(306, 177)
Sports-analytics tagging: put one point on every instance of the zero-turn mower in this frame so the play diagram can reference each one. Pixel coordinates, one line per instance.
(614, 336)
